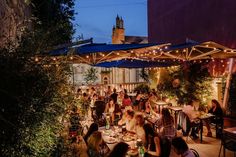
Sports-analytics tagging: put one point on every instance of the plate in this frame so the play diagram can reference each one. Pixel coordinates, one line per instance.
(110, 140)
(128, 138)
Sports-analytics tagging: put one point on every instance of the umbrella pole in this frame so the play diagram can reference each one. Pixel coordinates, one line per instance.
(228, 81)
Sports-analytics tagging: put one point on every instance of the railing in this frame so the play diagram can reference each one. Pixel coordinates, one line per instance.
(101, 88)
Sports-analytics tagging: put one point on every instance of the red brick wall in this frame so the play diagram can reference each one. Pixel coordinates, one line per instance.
(200, 20)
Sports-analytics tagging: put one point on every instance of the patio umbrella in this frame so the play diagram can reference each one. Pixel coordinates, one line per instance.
(134, 63)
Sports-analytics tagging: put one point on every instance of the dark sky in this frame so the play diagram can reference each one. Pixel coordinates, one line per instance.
(95, 18)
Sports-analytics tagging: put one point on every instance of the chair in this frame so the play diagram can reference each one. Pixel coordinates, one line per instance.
(184, 123)
(218, 124)
(228, 141)
(194, 152)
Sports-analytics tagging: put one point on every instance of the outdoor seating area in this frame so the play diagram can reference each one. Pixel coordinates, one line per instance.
(118, 121)
(126, 78)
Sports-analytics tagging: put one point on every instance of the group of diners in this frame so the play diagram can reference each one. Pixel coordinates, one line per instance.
(131, 113)
(93, 145)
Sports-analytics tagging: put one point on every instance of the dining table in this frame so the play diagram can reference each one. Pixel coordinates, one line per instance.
(116, 134)
(203, 117)
(159, 104)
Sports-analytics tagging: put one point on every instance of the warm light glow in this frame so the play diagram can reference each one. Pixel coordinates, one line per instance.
(54, 58)
(87, 56)
(71, 58)
(36, 59)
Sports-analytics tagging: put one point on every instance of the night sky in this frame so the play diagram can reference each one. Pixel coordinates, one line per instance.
(95, 18)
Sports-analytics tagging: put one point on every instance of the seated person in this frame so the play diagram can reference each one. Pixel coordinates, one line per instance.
(139, 130)
(126, 101)
(120, 150)
(155, 145)
(129, 121)
(93, 127)
(181, 147)
(167, 124)
(192, 115)
(218, 112)
(78, 147)
(96, 145)
(113, 109)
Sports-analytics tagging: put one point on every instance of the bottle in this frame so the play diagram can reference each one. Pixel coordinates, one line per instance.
(141, 151)
(107, 122)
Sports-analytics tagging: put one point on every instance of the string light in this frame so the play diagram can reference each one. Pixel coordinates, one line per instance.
(54, 58)
(87, 56)
(71, 58)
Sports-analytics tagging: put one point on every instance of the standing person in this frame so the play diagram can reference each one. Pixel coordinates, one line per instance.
(120, 150)
(108, 93)
(218, 112)
(137, 100)
(114, 95)
(181, 147)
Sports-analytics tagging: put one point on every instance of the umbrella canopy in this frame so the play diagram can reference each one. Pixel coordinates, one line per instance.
(133, 63)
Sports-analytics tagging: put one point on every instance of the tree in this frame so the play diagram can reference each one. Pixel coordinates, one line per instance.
(144, 75)
(90, 75)
(191, 82)
(34, 95)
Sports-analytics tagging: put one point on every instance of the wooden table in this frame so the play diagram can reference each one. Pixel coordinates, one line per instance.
(202, 118)
(160, 103)
(176, 109)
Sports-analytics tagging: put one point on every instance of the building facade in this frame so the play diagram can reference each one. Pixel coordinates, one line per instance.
(113, 75)
(174, 21)
(13, 18)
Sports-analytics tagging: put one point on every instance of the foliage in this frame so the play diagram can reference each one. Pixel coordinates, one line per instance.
(144, 75)
(90, 75)
(144, 88)
(189, 82)
(33, 99)
(34, 96)
(51, 23)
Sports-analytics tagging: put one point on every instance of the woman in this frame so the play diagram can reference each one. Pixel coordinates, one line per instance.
(167, 123)
(152, 144)
(93, 127)
(218, 112)
(139, 130)
(181, 147)
(126, 101)
(129, 121)
(113, 109)
(120, 150)
(94, 143)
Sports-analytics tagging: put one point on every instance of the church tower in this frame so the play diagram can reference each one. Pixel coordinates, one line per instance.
(118, 31)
